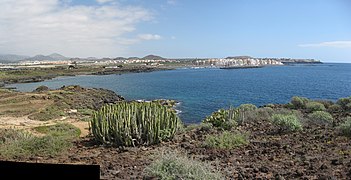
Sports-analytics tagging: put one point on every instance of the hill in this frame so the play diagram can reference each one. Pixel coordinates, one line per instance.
(152, 57)
(8, 58)
(51, 57)
(58, 57)
(238, 57)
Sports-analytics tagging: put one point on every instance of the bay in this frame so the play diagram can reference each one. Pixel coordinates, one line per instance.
(202, 91)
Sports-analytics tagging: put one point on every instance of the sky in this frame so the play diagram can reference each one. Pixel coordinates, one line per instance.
(319, 29)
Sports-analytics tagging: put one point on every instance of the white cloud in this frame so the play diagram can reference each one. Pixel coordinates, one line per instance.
(173, 37)
(36, 26)
(149, 36)
(103, 1)
(333, 44)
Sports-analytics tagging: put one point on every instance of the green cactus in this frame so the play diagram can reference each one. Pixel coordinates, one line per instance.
(225, 118)
(134, 123)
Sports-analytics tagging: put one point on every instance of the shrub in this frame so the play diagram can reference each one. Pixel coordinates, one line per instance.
(299, 102)
(8, 135)
(60, 129)
(205, 126)
(173, 165)
(201, 127)
(315, 106)
(258, 114)
(20, 144)
(86, 111)
(225, 119)
(287, 122)
(345, 127)
(226, 140)
(326, 103)
(321, 117)
(345, 103)
(247, 107)
(49, 113)
(131, 124)
(335, 108)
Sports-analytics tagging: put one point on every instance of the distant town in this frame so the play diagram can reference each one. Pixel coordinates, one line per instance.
(14, 61)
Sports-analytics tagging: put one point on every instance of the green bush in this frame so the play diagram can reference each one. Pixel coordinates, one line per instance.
(226, 140)
(287, 122)
(299, 102)
(8, 135)
(225, 119)
(173, 165)
(247, 107)
(321, 117)
(133, 123)
(345, 127)
(21, 144)
(335, 108)
(259, 114)
(314, 106)
(60, 129)
(326, 103)
(345, 103)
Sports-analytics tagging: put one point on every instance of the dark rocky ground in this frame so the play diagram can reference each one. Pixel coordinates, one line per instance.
(316, 152)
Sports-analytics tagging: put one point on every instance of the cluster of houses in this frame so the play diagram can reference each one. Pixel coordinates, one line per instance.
(238, 62)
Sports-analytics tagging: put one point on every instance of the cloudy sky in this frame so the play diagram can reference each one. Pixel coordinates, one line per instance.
(318, 29)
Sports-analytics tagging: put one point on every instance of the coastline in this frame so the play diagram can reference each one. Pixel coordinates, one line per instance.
(48, 74)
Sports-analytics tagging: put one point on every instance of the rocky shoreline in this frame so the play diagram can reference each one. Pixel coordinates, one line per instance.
(57, 72)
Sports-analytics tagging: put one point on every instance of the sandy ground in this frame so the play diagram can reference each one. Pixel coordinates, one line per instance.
(28, 124)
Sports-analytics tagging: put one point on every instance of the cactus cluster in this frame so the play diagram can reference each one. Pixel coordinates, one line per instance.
(225, 118)
(134, 123)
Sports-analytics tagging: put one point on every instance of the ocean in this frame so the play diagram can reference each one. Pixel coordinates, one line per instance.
(202, 91)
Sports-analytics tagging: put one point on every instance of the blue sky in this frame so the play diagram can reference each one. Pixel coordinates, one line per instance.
(318, 29)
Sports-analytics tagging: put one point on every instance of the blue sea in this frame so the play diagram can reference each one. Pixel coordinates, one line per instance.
(202, 91)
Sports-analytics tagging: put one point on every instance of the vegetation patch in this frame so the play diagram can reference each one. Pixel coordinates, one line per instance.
(335, 108)
(299, 102)
(201, 127)
(224, 119)
(51, 112)
(287, 122)
(86, 112)
(345, 103)
(247, 107)
(131, 124)
(226, 140)
(315, 106)
(345, 127)
(61, 129)
(321, 117)
(21, 144)
(173, 165)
